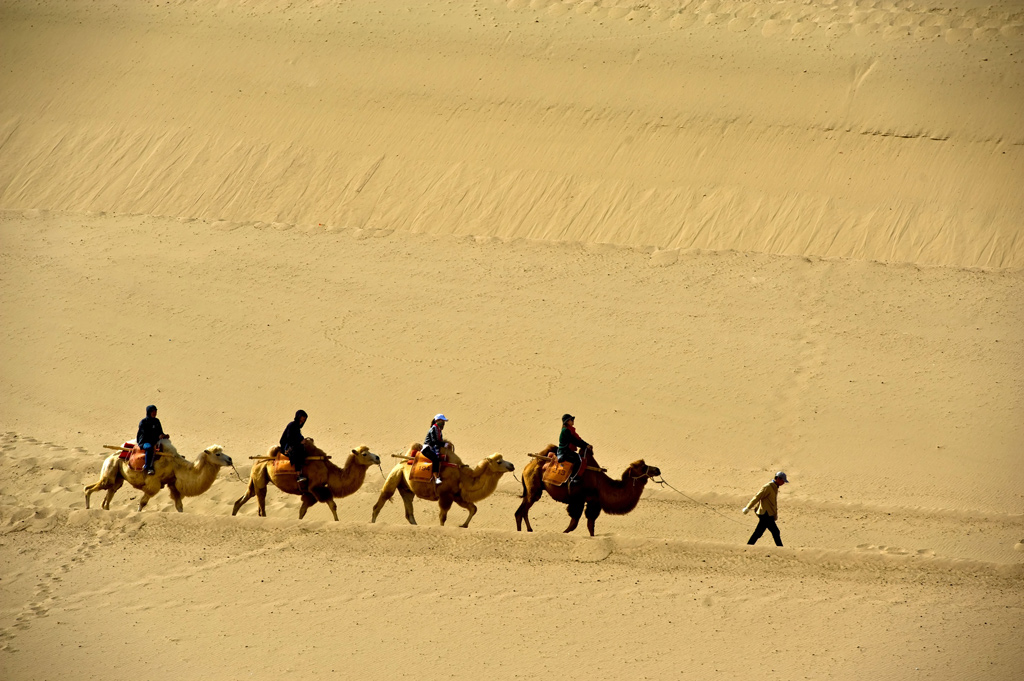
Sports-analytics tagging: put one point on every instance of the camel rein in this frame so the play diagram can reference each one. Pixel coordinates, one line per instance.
(699, 503)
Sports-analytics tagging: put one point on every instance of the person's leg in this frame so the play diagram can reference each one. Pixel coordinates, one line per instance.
(762, 524)
(150, 451)
(435, 463)
(577, 464)
(774, 529)
(297, 458)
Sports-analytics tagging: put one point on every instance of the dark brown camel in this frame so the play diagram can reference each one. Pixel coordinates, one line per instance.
(593, 492)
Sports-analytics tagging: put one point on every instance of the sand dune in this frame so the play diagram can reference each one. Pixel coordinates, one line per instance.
(731, 237)
(780, 128)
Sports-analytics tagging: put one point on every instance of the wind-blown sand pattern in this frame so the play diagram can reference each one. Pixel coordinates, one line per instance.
(731, 237)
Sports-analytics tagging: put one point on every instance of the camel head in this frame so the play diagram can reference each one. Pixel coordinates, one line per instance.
(215, 455)
(639, 469)
(365, 457)
(496, 464)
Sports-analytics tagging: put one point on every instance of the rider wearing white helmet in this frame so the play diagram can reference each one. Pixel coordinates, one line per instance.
(433, 443)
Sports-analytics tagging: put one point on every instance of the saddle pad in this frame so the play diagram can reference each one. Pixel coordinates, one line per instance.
(422, 469)
(282, 465)
(557, 473)
(136, 458)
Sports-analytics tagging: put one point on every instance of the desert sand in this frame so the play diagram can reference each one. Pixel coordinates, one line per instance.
(730, 237)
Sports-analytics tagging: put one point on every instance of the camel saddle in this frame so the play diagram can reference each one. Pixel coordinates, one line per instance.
(283, 465)
(135, 456)
(422, 467)
(556, 473)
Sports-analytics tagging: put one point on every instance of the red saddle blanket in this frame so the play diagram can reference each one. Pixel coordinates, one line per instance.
(135, 456)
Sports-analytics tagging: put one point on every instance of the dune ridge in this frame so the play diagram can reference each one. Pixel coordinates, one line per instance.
(590, 123)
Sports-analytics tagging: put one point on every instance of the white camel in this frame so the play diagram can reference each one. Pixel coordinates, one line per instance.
(181, 477)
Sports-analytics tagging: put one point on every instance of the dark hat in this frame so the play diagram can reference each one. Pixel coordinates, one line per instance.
(301, 414)
(566, 417)
(150, 408)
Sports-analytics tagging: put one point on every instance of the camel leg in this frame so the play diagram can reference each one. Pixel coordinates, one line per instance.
(531, 495)
(386, 492)
(249, 494)
(261, 501)
(176, 498)
(407, 497)
(110, 480)
(575, 510)
(469, 506)
(89, 489)
(333, 506)
(146, 496)
(307, 501)
(445, 505)
(111, 492)
(593, 510)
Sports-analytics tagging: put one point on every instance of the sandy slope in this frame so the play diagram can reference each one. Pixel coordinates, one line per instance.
(875, 130)
(731, 237)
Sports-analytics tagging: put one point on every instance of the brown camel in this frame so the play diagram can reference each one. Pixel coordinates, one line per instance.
(173, 471)
(461, 485)
(595, 491)
(327, 481)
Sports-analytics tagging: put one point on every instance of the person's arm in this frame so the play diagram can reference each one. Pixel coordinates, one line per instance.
(435, 440)
(139, 435)
(757, 498)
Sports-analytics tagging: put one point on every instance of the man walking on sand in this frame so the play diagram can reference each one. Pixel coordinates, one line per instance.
(766, 504)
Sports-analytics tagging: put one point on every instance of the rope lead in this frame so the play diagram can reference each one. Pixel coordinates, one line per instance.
(699, 503)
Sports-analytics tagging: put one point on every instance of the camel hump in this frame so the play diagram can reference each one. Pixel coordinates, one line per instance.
(550, 450)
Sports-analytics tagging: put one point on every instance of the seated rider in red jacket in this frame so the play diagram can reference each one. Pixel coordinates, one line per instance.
(568, 441)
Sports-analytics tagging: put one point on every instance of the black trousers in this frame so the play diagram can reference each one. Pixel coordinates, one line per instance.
(574, 458)
(150, 449)
(297, 456)
(435, 459)
(766, 522)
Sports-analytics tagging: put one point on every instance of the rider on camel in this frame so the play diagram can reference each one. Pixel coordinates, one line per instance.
(293, 448)
(432, 445)
(568, 441)
(149, 435)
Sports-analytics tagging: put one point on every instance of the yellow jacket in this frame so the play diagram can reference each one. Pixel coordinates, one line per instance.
(766, 502)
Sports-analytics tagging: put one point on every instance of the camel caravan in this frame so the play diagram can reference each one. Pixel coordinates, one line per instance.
(431, 471)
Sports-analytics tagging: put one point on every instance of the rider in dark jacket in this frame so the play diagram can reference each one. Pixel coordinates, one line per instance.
(149, 435)
(292, 447)
(568, 441)
(433, 443)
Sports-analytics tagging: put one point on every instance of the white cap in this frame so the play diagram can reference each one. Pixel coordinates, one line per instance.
(440, 417)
